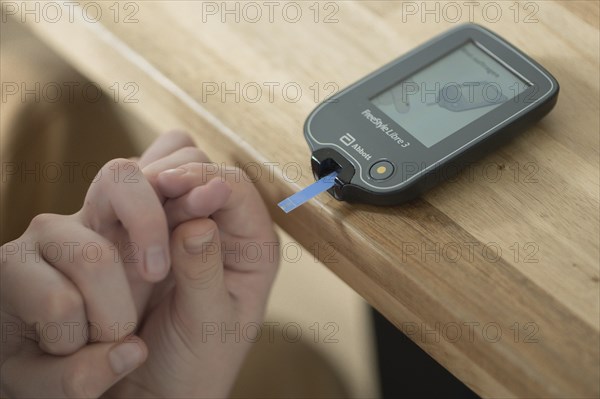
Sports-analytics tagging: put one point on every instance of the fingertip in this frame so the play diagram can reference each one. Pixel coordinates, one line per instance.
(153, 243)
(193, 228)
(127, 355)
(140, 342)
(156, 264)
(167, 181)
(197, 267)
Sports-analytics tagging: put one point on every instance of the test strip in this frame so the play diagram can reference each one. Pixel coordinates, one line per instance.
(321, 185)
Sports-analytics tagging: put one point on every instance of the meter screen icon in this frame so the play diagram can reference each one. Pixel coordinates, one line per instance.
(471, 95)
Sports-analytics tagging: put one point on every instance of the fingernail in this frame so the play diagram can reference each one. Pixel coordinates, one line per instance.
(125, 357)
(197, 244)
(156, 260)
(174, 172)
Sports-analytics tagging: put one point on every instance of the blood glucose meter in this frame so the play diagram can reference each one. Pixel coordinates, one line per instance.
(423, 117)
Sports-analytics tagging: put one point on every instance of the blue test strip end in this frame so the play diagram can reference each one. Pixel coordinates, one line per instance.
(302, 196)
(287, 205)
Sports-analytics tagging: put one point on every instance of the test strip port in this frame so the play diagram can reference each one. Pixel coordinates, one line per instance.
(325, 161)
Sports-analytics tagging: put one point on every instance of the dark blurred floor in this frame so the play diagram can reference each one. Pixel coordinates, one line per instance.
(407, 371)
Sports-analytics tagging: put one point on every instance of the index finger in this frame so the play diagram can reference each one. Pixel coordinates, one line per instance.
(242, 215)
(121, 194)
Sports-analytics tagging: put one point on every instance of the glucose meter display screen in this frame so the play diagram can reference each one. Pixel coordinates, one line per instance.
(449, 94)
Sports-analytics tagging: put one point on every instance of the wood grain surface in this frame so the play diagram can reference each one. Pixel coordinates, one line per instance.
(496, 273)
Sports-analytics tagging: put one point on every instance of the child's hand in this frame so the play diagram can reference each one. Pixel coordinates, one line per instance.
(223, 266)
(69, 280)
(126, 285)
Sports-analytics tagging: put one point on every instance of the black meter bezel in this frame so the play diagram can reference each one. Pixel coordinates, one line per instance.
(417, 167)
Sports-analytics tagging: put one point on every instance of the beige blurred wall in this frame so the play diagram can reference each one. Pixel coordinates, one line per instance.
(306, 292)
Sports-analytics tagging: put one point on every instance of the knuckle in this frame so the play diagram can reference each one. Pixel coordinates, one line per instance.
(42, 221)
(120, 163)
(61, 305)
(119, 170)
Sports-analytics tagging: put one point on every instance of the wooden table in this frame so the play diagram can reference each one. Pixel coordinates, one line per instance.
(495, 274)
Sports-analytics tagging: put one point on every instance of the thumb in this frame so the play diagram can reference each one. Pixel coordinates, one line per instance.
(88, 373)
(197, 266)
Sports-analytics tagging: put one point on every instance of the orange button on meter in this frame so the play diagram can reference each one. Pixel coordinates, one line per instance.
(381, 170)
